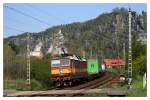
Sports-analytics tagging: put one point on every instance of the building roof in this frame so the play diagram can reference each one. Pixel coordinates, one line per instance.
(114, 62)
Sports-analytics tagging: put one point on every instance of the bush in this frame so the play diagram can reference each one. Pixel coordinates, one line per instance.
(36, 85)
(139, 65)
(137, 88)
(139, 55)
(40, 71)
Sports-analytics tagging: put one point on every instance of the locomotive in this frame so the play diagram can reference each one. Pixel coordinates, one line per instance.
(65, 70)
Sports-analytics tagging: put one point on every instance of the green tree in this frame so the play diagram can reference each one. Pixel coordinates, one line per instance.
(9, 56)
(40, 71)
(139, 58)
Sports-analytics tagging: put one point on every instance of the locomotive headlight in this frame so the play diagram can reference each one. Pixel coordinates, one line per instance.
(61, 71)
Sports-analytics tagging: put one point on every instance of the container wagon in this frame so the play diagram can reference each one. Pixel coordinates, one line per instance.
(95, 68)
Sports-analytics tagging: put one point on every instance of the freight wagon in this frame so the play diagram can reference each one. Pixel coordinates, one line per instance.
(69, 69)
(95, 68)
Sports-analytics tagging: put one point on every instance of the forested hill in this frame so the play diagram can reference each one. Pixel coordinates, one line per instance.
(107, 32)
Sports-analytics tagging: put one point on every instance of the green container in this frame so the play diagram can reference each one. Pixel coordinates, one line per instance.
(93, 66)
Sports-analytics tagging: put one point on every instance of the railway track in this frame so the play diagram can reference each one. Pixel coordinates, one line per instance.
(72, 91)
(94, 83)
(107, 78)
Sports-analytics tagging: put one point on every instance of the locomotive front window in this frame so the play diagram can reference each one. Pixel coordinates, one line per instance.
(55, 63)
(65, 62)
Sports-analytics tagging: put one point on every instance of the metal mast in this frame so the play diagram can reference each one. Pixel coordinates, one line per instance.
(28, 59)
(101, 44)
(124, 56)
(130, 52)
(124, 52)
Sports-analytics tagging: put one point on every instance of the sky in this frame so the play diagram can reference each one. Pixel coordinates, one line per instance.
(54, 14)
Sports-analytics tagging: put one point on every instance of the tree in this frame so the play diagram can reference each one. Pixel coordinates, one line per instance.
(9, 56)
(40, 71)
(139, 58)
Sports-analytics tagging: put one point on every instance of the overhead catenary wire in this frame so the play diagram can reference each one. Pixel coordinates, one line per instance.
(39, 10)
(45, 12)
(28, 50)
(14, 29)
(27, 15)
(14, 21)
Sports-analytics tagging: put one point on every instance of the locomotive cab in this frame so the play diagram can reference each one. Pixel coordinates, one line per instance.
(60, 70)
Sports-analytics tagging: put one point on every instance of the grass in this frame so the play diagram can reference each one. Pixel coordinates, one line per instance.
(14, 84)
(136, 91)
(116, 70)
(21, 85)
(113, 70)
(137, 88)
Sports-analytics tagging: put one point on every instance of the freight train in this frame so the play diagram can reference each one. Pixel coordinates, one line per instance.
(66, 70)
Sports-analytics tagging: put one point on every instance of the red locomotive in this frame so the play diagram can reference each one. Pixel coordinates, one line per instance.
(65, 70)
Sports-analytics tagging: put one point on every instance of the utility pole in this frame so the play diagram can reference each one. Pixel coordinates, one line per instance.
(84, 54)
(101, 44)
(90, 48)
(117, 42)
(130, 53)
(91, 52)
(28, 60)
(124, 51)
(103, 53)
(124, 56)
(117, 45)
(86, 45)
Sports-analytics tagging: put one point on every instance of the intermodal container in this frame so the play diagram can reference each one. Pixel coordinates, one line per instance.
(93, 66)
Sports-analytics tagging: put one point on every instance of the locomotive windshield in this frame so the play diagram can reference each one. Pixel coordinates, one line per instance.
(61, 62)
(55, 63)
(65, 62)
